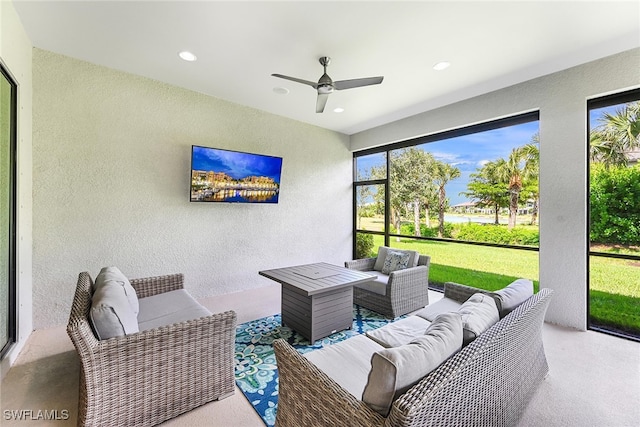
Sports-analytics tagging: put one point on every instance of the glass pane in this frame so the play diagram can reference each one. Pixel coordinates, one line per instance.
(370, 207)
(372, 166)
(455, 187)
(614, 196)
(484, 267)
(5, 206)
(367, 245)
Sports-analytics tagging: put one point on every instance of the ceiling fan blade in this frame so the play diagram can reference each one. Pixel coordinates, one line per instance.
(321, 102)
(349, 84)
(294, 79)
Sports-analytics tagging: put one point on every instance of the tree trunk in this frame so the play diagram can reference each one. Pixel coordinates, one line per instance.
(427, 220)
(534, 211)
(416, 217)
(441, 200)
(497, 209)
(513, 208)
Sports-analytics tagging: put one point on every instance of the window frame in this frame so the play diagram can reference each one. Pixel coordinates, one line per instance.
(440, 136)
(12, 284)
(592, 104)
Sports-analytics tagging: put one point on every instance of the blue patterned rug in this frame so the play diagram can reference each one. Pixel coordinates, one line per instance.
(255, 362)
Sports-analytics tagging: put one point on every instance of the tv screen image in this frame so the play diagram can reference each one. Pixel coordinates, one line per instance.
(232, 176)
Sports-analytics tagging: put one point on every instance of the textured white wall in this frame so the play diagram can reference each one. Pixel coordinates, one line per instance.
(111, 186)
(561, 99)
(15, 53)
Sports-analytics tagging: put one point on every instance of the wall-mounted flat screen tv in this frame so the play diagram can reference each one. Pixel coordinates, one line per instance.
(232, 176)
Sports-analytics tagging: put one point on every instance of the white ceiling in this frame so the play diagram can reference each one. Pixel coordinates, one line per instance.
(240, 44)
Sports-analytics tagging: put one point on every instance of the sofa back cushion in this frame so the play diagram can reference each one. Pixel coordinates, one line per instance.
(513, 295)
(478, 314)
(111, 314)
(382, 256)
(114, 274)
(395, 370)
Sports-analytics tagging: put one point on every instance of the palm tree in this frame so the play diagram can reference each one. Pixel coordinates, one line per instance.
(515, 171)
(531, 154)
(442, 174)
(616, 135)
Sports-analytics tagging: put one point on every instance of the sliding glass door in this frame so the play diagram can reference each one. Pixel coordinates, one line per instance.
(7, 211)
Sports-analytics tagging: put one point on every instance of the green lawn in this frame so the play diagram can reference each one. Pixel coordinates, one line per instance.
(615, 283)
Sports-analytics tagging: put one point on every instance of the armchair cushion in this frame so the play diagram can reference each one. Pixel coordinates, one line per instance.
(347, 362)
(168, 308)
(400, 332)
(395, 370)
(395, 260)
(111, 314)
(114, 274)
(377, 285)
(478, 313)
(513, 295)
(382, 256)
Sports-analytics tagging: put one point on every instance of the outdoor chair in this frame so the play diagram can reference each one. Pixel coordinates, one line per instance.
(392, 293)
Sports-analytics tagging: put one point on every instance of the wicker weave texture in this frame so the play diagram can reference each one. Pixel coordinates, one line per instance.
(149, 377)
(488, 383)
(407, 290)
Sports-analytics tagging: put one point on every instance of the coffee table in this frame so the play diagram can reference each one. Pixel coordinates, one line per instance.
(317, 299)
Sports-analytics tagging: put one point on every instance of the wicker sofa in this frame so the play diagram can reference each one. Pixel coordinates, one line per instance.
(396, 293)
(487, 383)
(147, 377)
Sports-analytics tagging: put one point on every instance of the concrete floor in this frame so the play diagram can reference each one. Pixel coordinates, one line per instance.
(594, 379)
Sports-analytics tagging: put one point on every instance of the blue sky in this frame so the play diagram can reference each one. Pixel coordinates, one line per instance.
(236, 164)
(468, 153)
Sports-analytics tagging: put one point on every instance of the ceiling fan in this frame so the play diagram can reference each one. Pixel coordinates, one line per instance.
(326, 86)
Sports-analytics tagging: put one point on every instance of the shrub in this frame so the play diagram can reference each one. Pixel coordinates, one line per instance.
(364, 245)
(499, 234)
(615, 205)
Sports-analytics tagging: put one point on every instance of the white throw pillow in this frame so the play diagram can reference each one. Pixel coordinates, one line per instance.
(478, 314)
(396, 370)
(513, 295)
(111, 314)
(114, 274)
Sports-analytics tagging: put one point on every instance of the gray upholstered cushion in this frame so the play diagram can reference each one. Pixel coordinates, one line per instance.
(111, 314)
(382, 255)
(347, 362)
(395, 370)
(400, 332)
(169, 308)
(114, 274)
(478, 313)
(395, 260)
(378, 285)
(444, 305)
(513, 295)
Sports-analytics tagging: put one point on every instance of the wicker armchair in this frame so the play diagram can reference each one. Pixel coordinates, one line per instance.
(145, 378)
(405, 291)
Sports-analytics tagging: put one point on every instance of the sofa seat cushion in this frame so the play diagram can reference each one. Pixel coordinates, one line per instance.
(396, 370)
(169, 308)
(382, 256)
(444, 305)
(513, 295)
(114, 274)
(377, 285)
(111, 314)
(347, 362)
(478, 313)
(400, 332)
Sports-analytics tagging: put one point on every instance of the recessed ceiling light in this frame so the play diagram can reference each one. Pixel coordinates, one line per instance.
(187, 56)
(441, 66)
(338, 110)
(281, 90)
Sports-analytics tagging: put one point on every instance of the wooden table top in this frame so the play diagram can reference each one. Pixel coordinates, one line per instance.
(317, 278)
